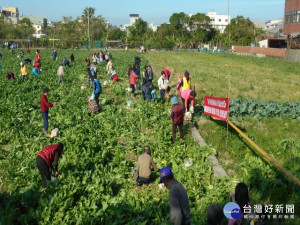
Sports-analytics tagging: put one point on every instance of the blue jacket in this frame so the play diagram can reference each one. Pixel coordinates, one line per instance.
(97, 86)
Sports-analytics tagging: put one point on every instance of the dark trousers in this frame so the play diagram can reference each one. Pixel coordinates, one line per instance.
(43, 169)
(142, 180)
(162, 94)
(97, 98)
(45, 117)
(180, 126)
(24, 77)
(132, 86)
(60, 79)
(146, 95)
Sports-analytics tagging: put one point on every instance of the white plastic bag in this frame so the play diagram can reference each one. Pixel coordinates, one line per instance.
(188, 162)
(54, 132)
(191, 109)
(188, 116)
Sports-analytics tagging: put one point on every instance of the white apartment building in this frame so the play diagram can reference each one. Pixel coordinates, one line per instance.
(133, 18)
(218, 22)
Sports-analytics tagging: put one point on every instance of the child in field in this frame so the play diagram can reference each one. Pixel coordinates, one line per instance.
(21, 54)
(90, 76)
(23, 71)
(153, 94)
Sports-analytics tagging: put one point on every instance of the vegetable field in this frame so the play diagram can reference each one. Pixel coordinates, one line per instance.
(95, 184)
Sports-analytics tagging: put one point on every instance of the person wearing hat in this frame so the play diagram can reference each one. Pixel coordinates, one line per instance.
(177, 118)
(163, 85)
(38, 56)
(178, 199)
(145, 162)
(185, 82)
(45, 158)
(23, 71)
(45, 105)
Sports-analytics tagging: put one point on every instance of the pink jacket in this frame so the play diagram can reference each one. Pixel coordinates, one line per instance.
(186, 95)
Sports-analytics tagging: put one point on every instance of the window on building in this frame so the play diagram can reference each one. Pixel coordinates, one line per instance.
(226, 20)
(220, 20)
(292, 17)
(213, 20)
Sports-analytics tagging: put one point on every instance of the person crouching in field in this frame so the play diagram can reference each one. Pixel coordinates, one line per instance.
(45, 105)
(177, 118)
(188, 99)
(60, 73)
(65, 62)
(44, 160)
(10, 76)
(145, 162)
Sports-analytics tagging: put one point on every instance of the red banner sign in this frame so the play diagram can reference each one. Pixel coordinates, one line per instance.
(216, 107)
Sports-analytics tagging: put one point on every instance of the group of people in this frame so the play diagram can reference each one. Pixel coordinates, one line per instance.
(36, 70)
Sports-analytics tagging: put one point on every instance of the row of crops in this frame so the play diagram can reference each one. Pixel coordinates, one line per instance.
(260, 109)
(95, 184)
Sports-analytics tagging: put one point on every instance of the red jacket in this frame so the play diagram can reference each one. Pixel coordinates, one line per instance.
(133, 77)
(37, 57)
(47, 153)
(177, 114)
(45, 105)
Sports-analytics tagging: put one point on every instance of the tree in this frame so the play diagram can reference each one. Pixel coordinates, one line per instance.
(177, 20)
(116, 34)
(240, 31)
(88, 12)
(137, 31)
(24, 28)
(199, 20)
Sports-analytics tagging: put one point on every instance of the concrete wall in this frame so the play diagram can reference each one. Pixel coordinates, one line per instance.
(293, 55)
(276, 52)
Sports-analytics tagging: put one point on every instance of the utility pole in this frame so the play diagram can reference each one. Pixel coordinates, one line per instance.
(228, 22)
(88, 27)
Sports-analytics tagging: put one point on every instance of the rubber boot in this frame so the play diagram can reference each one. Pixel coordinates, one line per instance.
(167, 95)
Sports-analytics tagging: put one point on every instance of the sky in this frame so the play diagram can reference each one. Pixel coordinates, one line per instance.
(153, 11)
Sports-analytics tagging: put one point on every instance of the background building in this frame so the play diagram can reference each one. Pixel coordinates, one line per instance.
(291, 17)
(10, 14)
(38, 22)
(218, 22)
(133, 18)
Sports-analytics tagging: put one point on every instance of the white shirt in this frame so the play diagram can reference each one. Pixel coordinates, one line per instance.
(162, 82)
